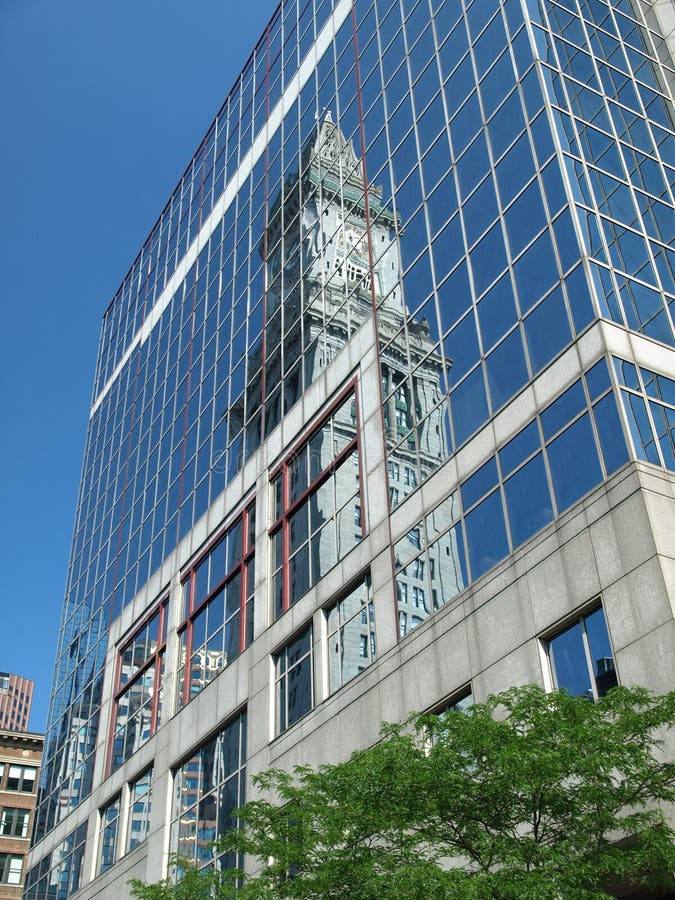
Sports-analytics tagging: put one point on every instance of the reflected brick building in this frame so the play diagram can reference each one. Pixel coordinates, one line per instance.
(16, 697)
(383, 416)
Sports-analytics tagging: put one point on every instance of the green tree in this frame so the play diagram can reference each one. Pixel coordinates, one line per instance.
(529, 795)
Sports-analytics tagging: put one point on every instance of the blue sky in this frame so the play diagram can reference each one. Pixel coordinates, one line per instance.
(102, 104)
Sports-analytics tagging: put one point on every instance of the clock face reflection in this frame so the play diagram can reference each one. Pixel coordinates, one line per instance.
(356, 240)
(352, 240)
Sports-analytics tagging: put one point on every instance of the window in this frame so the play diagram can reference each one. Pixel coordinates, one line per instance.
(209, 786)
(21, 778)
(140, 806)
(138, 698)
(14, 822)
(316, 501)
(218, 607)
(58, 874)
(4, 683)
(351, 635)
(418, 598)
(10, 868)
(581, 658)
(402, 624)
(109, 826)
(294, 681)
(459, 703)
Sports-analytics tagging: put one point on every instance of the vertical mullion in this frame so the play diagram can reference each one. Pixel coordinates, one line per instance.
(286, 540)
(589, 660)
(188, 637)
(111, 741)
(158, 668)
(242, 579)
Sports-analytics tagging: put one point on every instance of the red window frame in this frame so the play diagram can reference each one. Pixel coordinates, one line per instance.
(192, 606)
(155, 658)
(288, 508)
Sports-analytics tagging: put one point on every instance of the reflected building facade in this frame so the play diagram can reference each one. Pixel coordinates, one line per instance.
(383, 417)
(16, 696)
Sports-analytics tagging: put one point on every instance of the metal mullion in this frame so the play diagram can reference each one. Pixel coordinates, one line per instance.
(308, 491)
(286, 539)
(215, 590)
(137, 675)
(111, 735)
(309, 434)
(263, 347)
(214, 541)
(360, 466)
(246, 556)
(157, 688)
(589, 660)
(188, 639)
(322, 477)
(158, 655)
(242, 605)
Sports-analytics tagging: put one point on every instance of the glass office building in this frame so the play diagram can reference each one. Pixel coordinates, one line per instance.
(383, 415)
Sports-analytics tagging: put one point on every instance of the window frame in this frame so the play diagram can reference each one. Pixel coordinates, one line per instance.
(181, 791)
(577, 618)
(112, 826)
(190, 611)
(282, 676)
(156, 659)
(148, 774)
(288, 508)
(454, 700)
(366, 615)
(6, 868)
(9, 819)
(20, 789)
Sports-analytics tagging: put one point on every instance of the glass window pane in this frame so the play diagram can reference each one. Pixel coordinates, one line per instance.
(497, 311)
(563, 409)
(568, 661)
(602, 658)
(486, 535)
(612, 440)
(547, 330)
(478, 484)
(528, 500)
(299, 690)
(506, 369)
(519, 448)
(468, 405)
(575, 467)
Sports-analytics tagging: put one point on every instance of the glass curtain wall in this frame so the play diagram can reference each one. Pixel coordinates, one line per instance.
(487, 182)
